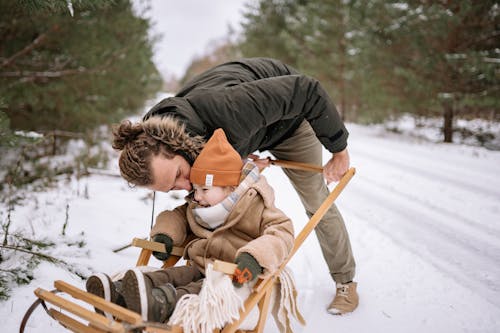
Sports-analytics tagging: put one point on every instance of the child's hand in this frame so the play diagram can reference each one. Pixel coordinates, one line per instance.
(169, 244)
(248, 269)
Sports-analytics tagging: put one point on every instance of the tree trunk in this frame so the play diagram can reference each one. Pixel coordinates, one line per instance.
(343, 57)
(448, 122)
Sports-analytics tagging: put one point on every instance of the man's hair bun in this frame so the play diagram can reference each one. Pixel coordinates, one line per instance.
(125, 132)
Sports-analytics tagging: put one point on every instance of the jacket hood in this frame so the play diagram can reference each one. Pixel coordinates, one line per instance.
(265, 190)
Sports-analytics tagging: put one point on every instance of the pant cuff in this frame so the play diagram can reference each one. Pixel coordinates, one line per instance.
(342, 277)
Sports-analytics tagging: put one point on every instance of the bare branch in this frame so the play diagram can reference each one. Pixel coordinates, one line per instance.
(468, 44)
(28, 76)
(46, 74)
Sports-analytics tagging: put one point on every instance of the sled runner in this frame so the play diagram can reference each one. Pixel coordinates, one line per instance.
(83, 319)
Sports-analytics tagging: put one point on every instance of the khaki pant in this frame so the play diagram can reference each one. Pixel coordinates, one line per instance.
(304, 146)
(185, 279)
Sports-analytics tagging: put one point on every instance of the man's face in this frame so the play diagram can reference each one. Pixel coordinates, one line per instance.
(170, 174)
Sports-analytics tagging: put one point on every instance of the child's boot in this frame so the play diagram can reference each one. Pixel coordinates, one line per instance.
(153, 303)
(101, 285)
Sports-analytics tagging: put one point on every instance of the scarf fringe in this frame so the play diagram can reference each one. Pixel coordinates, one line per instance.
(287, 306)
(219, 303)
(216, 305)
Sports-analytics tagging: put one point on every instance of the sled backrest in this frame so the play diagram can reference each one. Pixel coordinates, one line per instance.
(147, 248)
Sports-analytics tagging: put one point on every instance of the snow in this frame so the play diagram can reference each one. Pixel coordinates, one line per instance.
(30, 134)
(422, 217)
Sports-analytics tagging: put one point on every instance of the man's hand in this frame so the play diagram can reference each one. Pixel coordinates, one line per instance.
(336, 167)
(169, 244)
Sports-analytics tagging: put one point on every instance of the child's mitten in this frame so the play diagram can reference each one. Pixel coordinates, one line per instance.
(169, 244)
(248, 269)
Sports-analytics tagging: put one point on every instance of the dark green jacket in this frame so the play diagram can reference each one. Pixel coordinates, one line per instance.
(258, 102)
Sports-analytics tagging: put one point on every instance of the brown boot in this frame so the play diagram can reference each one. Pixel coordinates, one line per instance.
(101, 285)
(346, 300)
(153, 303)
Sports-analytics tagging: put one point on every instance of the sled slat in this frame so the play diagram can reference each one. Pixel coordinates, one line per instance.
(262, 282)
(72, 324)
(97, 320)
(263, 312)
(316, 218)
(173, 329)
(171, 261)
(224, 267)
(143, 257)
(296, 165)
(156, 246)
(116, 310)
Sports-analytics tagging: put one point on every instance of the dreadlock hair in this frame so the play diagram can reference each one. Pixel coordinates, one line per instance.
(141, 141)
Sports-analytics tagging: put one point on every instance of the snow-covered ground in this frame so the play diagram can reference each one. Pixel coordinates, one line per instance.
(423, 220)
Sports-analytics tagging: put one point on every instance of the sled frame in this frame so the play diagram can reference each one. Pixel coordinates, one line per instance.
(82, 320)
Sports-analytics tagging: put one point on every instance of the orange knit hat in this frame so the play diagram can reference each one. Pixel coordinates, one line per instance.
(218, 164)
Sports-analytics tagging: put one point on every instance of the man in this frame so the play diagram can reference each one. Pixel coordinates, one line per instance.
(261, 104)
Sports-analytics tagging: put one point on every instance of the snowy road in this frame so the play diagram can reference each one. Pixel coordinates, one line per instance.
(441, 206)
(424, 222)
(419, 215)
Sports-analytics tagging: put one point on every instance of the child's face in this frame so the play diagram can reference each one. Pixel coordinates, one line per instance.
(210, 195)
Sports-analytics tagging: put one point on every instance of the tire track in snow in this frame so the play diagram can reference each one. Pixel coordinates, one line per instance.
(485, 231)
(432, 174)
(400, 221)
(465, 160)
(467, 251)
(437, 221)
(476, 211)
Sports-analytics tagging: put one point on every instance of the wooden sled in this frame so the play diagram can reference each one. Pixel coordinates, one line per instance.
(80, 319)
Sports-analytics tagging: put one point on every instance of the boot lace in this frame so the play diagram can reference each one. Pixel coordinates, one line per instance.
(343, 290)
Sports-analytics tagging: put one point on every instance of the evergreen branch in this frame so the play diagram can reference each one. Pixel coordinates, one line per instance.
(67, 134)
(37, 243)
(47, 257)
(123, 247)
(38, 254)
(28, 48)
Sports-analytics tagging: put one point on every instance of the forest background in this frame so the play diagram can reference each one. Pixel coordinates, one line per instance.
(70, 69)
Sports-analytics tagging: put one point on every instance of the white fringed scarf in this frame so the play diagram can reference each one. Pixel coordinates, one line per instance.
(216, 305)
(219, 303)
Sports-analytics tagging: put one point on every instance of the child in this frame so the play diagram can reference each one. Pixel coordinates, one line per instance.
(232, 216)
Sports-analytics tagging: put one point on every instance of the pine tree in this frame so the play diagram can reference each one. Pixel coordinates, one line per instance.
(441, 55)
(312, 36)
(269, 31)
(380, 58)
(73, 67)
